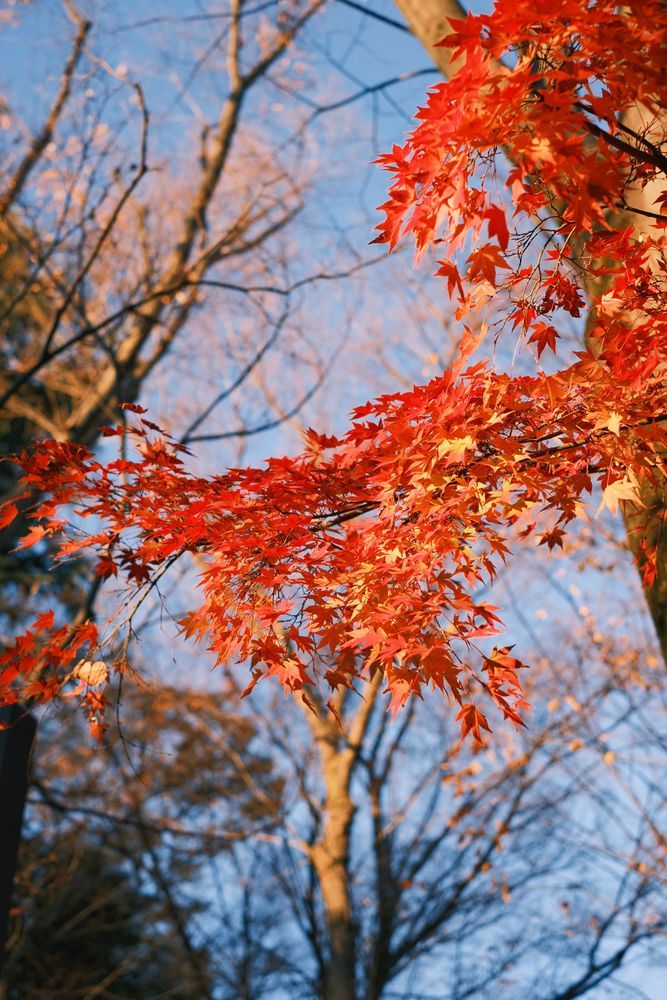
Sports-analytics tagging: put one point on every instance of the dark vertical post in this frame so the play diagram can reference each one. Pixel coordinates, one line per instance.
(15, 746)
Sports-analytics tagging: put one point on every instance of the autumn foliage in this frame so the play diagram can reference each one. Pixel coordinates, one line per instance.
(369, 551)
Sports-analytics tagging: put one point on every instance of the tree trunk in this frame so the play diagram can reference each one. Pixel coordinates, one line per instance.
(428, 21)
(646, 526)
(15, 748)
(339, 745)
(330, 858)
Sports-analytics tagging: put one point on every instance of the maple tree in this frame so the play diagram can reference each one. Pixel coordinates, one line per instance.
(376, 544)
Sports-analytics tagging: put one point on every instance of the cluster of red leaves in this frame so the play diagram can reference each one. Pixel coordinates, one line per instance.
(369, 551)
(38, 662)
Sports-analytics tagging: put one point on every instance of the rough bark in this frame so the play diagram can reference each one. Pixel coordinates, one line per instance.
(330, 858)
(427, 20)
(646, 527)
(339, 747)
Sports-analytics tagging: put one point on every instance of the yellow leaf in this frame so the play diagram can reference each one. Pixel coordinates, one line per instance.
(622, 489)
(455, 448)
(614, 423)
(91, 673)
(609, 422)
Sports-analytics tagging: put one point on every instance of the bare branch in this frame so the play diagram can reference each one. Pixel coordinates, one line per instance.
(45, 134)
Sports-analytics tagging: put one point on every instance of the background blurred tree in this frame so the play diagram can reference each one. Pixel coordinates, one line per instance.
(282, 855)
(106, 251)
(107, 240)
(105, 248)
(84, 927)
(114, 860)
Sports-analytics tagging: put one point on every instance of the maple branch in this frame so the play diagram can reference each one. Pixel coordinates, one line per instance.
(637, 136)
(641, 211)
(654, 158)
(652, 154)
(349, 514)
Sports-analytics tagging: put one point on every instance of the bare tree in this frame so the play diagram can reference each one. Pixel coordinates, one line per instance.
(375, 859)
(102, 274)
(114, 248)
